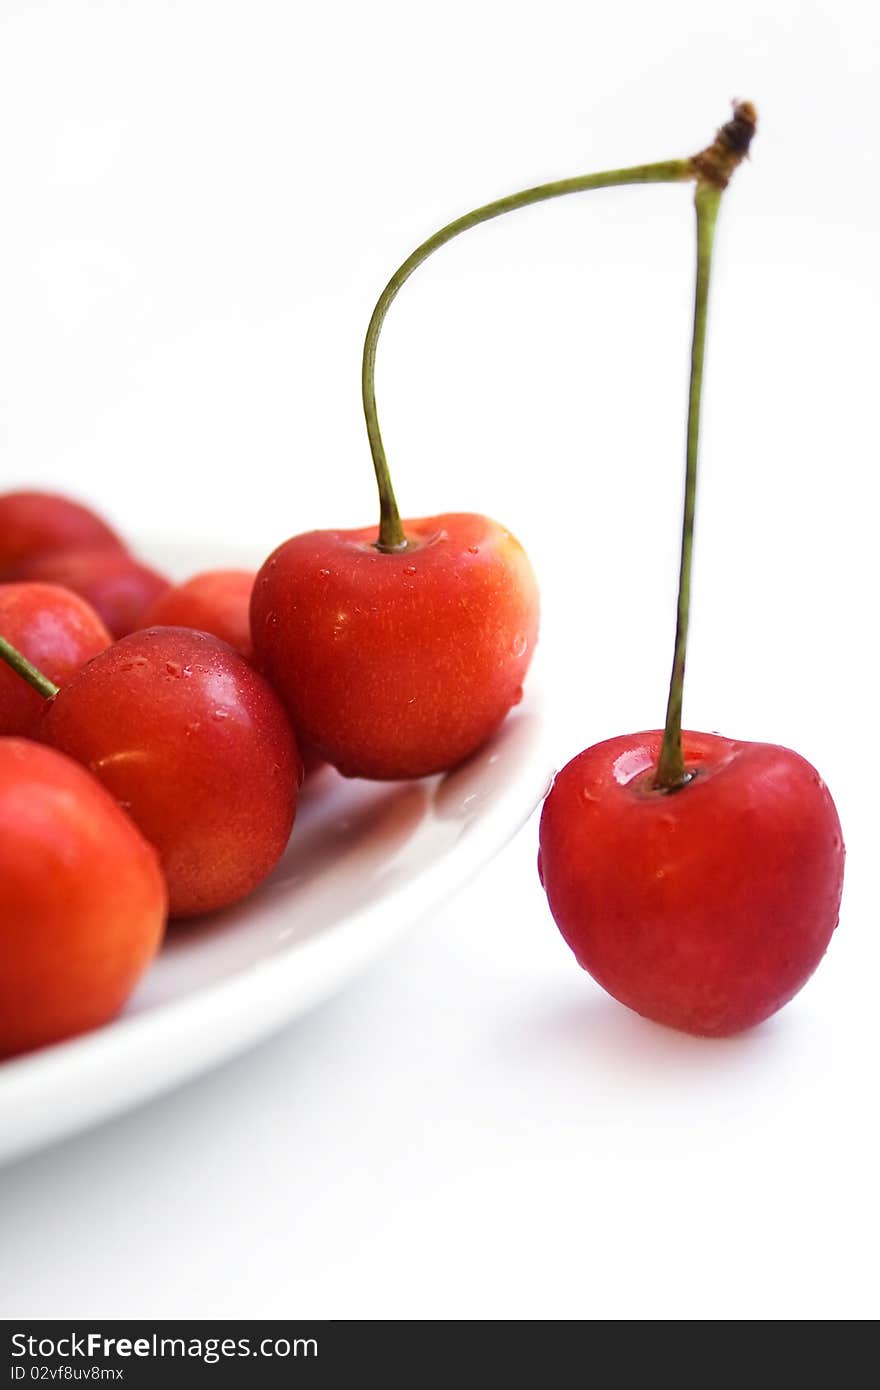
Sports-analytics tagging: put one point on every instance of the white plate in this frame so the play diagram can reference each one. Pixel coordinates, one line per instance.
(365, 861)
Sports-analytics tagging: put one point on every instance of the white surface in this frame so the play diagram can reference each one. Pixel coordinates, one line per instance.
(202, 203)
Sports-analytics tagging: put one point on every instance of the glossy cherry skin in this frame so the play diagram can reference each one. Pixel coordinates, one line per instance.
(217, 601)
(120, 588)
(82, 907)
(41, 523)
(706, 908)
(397, 665)
(57, 631)
(196, 746)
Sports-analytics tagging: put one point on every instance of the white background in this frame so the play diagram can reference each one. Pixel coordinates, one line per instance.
(201, 203)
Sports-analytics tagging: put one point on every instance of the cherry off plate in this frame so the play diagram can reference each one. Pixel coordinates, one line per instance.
(365, 861)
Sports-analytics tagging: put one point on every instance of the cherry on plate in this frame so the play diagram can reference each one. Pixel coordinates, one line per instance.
(215, 601)
(57, 631)
(397, 664)
(196, 747)
(119, 587)
(82, 910)
(43, 523)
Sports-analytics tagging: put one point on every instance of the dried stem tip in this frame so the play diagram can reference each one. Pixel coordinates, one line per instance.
(730, 147)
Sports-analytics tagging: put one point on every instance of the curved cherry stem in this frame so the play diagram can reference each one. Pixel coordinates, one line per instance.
(20, 664)
(391, 533)
(671, 772)
(712, 167)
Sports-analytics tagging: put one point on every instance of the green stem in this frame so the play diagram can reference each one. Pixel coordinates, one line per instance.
(23, 667)
(671, 772)
(391, 533)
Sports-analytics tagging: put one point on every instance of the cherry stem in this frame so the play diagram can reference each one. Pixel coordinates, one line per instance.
(391, 532)
(671, 772)
(20, 664)
(712, 168)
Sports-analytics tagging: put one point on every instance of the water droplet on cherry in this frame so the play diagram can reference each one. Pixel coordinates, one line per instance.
(520, 645)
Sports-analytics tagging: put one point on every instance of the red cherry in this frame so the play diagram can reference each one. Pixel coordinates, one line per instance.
(58, 633)
(83, 904)
(41, 523)
(397, 664)
(195, 745)
(697, 878)
(399, 652)
(118, 586)
(705, 908)
(217, 601)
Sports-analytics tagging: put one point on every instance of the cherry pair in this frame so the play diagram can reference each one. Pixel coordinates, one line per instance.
(697, 878)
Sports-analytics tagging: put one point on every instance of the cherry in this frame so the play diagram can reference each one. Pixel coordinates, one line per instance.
(706, 908)
(386, 632)
(83, 905)
(41, 523)
(398, 655)
(697, 878)
(194, 744)
(400, 664)
(57, 631)
(119, 587)
(217, 601)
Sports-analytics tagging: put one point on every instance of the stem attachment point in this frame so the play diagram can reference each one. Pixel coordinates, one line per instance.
(717, 163)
